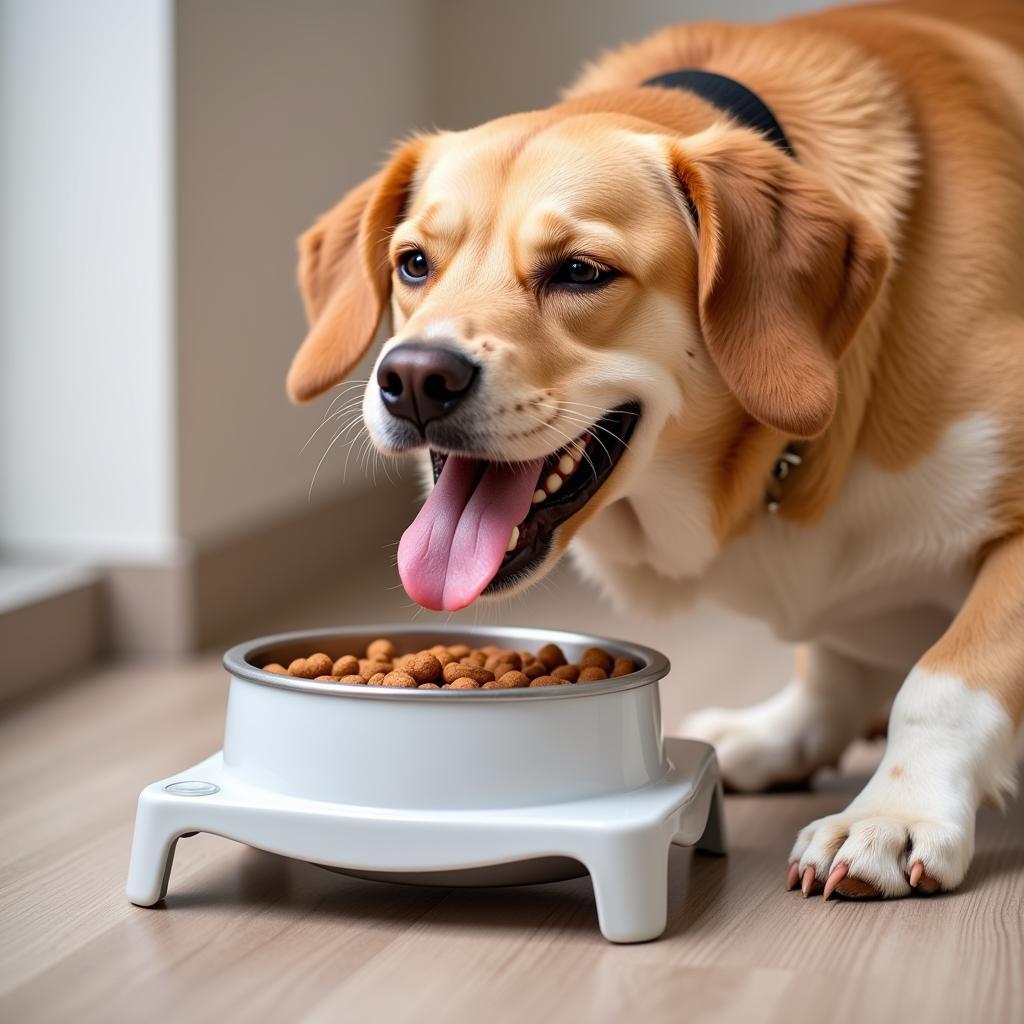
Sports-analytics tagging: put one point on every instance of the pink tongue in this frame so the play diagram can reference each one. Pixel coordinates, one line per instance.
(455, 545)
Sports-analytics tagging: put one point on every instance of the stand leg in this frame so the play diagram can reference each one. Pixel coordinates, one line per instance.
(152, 852)
(630, 878)
(713, 838)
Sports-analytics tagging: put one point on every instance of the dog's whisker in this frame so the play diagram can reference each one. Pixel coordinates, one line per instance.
(321, 425)
(327, 451)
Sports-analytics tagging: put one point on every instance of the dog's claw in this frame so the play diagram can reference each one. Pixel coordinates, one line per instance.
(793, 876)
(916, 871)
(839, 872)
(807, 883)
(923, 883)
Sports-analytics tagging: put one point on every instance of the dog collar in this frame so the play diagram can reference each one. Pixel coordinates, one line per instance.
(730, 96)
(784, 465)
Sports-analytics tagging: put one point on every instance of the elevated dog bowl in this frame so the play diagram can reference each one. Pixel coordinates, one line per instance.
(451, 787)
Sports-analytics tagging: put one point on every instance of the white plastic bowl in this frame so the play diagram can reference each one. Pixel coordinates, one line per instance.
(441, 749)
(453, 787)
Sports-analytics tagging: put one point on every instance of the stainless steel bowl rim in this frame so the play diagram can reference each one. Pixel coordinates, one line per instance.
(655, 664)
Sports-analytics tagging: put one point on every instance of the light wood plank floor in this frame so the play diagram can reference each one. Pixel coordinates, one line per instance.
(249, 936)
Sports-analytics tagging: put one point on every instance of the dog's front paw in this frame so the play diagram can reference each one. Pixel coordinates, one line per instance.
(876, 852)
(785, 739)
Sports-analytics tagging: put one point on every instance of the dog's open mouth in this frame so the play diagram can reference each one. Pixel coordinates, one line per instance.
(487, 525)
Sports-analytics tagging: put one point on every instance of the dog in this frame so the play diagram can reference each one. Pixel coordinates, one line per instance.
(740, 317)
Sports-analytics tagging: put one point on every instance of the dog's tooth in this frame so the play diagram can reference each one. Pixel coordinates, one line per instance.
(552, 483)
(538, 496)
(513, 539)
(566, 465)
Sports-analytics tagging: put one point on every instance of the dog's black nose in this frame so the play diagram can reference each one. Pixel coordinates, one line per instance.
(421, 383)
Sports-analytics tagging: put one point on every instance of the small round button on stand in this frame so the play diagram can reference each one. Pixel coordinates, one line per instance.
(191, 787)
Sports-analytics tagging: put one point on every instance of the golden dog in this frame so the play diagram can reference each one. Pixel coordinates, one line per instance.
(788, 377)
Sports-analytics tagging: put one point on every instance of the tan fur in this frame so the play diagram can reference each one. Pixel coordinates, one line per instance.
(781, 315)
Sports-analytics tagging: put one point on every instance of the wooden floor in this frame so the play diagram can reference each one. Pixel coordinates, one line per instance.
(248, 936)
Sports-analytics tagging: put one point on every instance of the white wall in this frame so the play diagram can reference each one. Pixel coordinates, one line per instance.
(86, 275)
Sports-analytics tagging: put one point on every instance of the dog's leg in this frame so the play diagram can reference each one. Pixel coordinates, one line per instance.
(805, 726)
(951, 745)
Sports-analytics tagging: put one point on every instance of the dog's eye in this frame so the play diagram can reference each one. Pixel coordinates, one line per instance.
(581, 273)
(413, 267)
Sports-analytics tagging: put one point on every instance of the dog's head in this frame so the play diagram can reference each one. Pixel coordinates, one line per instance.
(566, 288)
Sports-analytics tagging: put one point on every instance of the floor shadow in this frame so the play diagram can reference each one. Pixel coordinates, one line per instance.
(255, 879)
(258, 879)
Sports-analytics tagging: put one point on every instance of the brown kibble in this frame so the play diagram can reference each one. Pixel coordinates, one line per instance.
(570, 673)
(444, 657)
(551, 656)
(368, 667)
(526, 658)
(377, 679)
(428, 686)
(596, 657)
(423, 667)
(502, 667)
(400, 679)
(381, 650)
(511, 680)
(623, 667)
(309, 668)
(591, 674)
(489, 650)
(278, 670)
(346, 665)
(328, 679)
(535, 670)
(458, 670)
(459, 651)
(353, 679)
(549, 681)
(477, 658)
(462, 683)
(510, 658)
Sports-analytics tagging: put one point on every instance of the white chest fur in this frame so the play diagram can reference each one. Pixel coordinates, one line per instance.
(893, 540)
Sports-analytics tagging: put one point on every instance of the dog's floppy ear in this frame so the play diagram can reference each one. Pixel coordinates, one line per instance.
(786, 274)
(345, 278)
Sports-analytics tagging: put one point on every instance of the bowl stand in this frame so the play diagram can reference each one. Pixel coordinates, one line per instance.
(622, 839)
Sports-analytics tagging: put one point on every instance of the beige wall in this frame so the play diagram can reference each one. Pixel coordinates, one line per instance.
(281, 107)
(497, 57)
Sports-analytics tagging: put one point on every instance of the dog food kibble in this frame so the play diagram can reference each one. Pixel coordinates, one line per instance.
(423, 667)
(510, 680)
(456, 667)
(402, 679)
(346, 665)
(549, 681)
(311, 667)
(459, 670)
(551, 656)
(463, 683)
(594, 657)
(381, 650)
